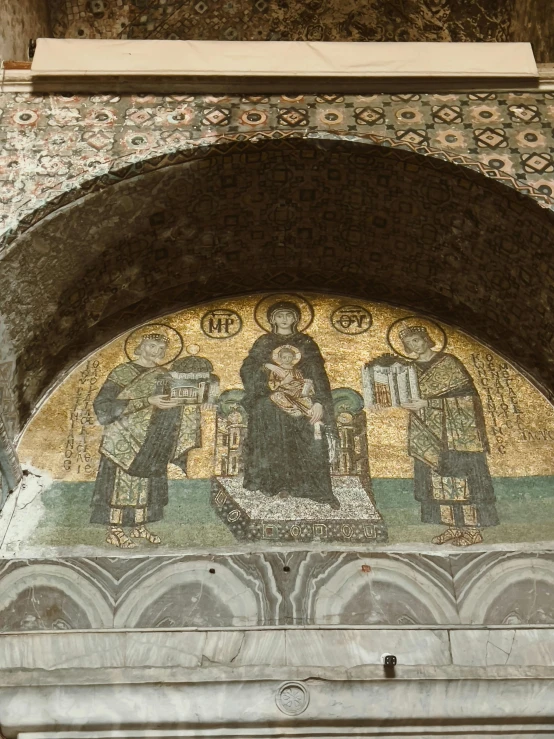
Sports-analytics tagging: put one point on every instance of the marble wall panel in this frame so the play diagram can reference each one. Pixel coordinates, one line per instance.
(502, 647)
(323, 702)
(344, 649)
(195, 592)
(508, 588)
(355, 648)
(106, 592)
(371, 589)
(53, 595)
(208, 649)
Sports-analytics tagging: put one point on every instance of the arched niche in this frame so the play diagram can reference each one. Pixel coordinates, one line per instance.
(369, 221)
(64, 192)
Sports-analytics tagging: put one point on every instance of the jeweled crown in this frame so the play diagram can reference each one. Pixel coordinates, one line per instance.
(412, 330)
(156, 337)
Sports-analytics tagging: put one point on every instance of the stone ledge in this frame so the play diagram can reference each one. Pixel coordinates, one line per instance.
(416, 731)
(348, 650)
(20, 79)
(472, 702)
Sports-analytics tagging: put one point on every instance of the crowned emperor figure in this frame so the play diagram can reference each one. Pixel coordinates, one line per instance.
(447, 440)
(141, 430)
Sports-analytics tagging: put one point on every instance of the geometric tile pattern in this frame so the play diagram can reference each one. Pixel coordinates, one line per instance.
(52, 143)
(277, 589)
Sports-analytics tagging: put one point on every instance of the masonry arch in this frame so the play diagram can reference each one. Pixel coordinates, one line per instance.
(47, 200)
(367, 220)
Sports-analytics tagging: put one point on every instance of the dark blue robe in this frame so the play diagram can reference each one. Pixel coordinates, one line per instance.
(281, 453)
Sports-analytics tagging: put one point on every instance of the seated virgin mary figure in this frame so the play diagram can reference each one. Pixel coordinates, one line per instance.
(287, 399)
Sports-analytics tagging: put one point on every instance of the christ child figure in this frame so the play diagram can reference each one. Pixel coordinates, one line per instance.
(290, 391)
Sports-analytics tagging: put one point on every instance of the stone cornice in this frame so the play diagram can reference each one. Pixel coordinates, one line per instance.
(17, 77)
(244, 683)
(274, 701)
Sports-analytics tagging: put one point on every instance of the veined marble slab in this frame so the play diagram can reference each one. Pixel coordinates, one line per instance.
(339, 648)
(251, 703)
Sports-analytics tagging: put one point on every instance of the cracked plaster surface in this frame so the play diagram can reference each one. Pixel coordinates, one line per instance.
(375, 20)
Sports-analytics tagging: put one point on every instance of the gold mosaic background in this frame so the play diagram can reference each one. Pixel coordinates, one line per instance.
(63, 437)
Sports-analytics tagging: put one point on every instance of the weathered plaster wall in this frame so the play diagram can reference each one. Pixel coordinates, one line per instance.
(374, 20)
(20, 21)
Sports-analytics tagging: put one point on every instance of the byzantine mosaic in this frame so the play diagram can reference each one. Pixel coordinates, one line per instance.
(246, 216)
(290, 419)
(53, 144)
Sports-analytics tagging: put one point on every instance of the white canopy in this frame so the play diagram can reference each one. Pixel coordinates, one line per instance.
(282, 59)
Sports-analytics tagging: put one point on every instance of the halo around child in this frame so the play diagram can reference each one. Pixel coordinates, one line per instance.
(173, 339)
(411, 324)
(276, 356)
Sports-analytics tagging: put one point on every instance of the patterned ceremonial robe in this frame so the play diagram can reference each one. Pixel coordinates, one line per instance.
(138, 443)
(448, 441)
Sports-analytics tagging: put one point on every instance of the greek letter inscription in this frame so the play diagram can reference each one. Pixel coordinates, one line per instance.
(351, 319)
(77, 456)
(221, 323)
(495, 384)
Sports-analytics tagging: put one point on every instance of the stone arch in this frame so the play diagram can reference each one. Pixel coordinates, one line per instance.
(80, 592)
(261, 213)
(227, 600)
(390, 586)
(128, 166)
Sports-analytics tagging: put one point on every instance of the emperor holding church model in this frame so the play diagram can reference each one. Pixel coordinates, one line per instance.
(447, 437)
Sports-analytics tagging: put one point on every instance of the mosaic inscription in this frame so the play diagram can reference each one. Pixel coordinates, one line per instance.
(292, 418)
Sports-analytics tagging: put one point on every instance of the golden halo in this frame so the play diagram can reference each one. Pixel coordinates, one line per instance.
(435, 331)
(305, 308)
(276, 356)
(174, 338)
